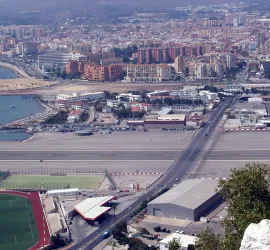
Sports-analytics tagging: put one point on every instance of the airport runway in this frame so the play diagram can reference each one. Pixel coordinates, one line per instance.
(87, 155)
(237, 155)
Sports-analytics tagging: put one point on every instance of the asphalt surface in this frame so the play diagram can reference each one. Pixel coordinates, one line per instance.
(180, 168)
(88, 156)
(247, 155)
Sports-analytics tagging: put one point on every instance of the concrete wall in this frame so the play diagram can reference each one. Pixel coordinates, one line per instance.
(171, 211)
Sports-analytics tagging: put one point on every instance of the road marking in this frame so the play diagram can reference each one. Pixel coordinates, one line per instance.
(86, 160)
(213, 154)
(90, 150)
(83, 155)
(238, 160)
(255, 154)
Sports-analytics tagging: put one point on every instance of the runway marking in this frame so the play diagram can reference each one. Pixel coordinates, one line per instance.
(91, 150)
(86, 160)
(238, 160)
(255, 154)
(82, 155)
(249, 149)
(213, 154)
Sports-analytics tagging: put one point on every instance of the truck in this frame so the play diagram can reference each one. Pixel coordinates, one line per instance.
(106, 234)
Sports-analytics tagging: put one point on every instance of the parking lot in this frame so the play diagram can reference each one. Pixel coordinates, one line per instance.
(234, 150)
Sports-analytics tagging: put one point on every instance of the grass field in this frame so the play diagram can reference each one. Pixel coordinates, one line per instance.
(52, 182)
(18, 230)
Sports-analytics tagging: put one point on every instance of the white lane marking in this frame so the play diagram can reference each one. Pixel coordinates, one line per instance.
(89, 150)
(211, 154)
(85, 160)
(29, 220)
(235, 160)
(82, 155)
(256, 154)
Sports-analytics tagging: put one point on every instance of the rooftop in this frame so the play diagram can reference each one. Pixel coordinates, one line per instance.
(92, 208)
(184, 239)
(190, 193)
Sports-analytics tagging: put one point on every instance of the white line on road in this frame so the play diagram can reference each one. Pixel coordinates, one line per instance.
(211, 154)
(258, 154)
(83, 155)
(90, 150)
(235, 160)
(86, 160)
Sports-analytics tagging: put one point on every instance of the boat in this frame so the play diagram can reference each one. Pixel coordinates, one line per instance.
(12, 106)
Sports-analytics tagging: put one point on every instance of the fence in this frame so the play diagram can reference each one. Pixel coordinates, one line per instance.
(33, 186)
(55, 171)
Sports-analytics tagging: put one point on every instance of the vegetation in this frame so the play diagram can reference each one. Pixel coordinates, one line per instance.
(59, 118)
(248, 197)
(174, 244)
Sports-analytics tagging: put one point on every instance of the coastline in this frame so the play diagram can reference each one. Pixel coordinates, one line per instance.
(20, 73)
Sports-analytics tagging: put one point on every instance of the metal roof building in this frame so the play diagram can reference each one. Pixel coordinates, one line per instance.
(165, 111)
(92, 208)
(189, 200)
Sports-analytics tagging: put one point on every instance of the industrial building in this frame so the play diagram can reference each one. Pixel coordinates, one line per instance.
(185, 240)
(189, 200)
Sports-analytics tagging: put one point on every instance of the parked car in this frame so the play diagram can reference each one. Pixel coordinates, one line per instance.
(157, 229)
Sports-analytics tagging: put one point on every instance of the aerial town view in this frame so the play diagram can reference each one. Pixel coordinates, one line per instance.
(135, 125)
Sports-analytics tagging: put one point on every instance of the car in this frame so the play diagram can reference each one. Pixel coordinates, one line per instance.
(176, 179)
(206, 135)
(163, 229)
(157, 229)
(182, 232)
(177, 231)
(126, 191)
(168, 231)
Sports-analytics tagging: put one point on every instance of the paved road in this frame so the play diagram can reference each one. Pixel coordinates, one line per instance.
(183, 164)
(88, 155)
(248, 155)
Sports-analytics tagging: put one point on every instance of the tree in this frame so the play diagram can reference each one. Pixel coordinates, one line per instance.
(254, 90)
(208, 240)
(174, 244)
(248, 197)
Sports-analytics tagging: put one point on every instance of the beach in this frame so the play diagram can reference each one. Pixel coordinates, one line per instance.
(23, 81)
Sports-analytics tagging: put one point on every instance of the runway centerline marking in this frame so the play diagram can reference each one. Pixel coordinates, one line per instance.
(86, 160)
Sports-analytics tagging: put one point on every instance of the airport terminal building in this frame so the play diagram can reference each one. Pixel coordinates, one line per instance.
(189, 200)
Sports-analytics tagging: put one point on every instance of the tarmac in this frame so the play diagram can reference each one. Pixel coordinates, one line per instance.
(117, 152)
(233, 150)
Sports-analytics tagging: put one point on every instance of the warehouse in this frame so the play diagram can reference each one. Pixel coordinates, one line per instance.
(189, 200)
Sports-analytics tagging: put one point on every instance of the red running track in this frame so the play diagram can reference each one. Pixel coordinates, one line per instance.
(43, 230)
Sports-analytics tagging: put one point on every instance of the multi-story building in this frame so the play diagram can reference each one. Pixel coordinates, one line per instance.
(238, 20)
(58, 60)
(29, 48)
(190, 94)
(148, 73)
(94, 71)
(200, 70)
(179, 64)
(109, 61)
(95, 96)
(130, 97)
(230, 61)
(168, 55)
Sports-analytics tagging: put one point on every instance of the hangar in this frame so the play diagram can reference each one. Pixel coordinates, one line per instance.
(189, 200)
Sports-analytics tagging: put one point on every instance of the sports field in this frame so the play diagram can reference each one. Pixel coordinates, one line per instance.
(52, 182)
(18, 228)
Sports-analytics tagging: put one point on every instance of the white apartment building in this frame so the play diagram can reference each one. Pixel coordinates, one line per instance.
(82, 97)
(130, 97)
(148, 73)
(190, 94)
(115, 104)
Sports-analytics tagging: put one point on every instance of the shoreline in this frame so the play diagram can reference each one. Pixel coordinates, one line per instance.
(20, 73)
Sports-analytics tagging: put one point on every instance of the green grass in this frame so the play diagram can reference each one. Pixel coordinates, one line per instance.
(52, 182)
(18, 230)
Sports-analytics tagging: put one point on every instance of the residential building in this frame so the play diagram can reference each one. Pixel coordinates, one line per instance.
(109, 61)
(78, 105)
(63, 104)
(140, 107)
(148, 73)
(74, 116)
(29, 48)
(179, 64)
(238, 20)
(95, 96)
(190, 94)
(130, 97)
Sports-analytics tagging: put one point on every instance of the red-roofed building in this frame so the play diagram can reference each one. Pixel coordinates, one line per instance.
(74, 115)
(77, 105)
(139, 107)
(63, 104)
